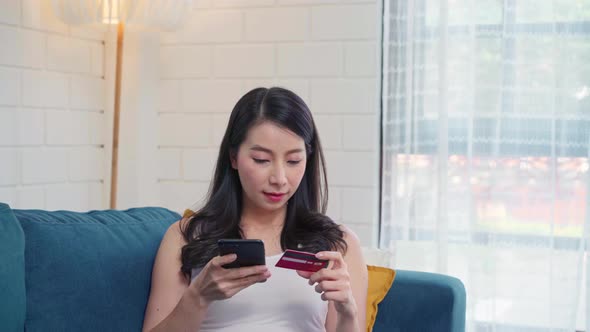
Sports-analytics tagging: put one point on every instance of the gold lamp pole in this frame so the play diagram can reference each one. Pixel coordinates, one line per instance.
(116, 116)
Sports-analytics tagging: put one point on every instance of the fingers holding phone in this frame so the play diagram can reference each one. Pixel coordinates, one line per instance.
(242, 273)
(240, 265)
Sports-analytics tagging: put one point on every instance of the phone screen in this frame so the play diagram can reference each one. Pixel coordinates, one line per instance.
(249, 252)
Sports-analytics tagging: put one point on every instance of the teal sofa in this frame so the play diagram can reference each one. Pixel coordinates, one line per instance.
(69, 271)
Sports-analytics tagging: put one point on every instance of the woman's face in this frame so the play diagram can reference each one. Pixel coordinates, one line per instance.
(271, 163)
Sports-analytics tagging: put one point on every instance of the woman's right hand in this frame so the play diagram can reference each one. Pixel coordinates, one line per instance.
(217, 283)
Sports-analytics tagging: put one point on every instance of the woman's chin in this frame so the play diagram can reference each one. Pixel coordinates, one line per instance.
(272, 206)
(268, 205)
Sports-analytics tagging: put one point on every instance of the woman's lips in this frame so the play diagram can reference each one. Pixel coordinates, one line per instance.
(274, 197)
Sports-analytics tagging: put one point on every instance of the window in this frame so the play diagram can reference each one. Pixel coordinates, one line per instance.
(485, 151)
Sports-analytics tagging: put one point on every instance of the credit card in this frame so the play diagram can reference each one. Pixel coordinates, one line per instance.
(302, 261)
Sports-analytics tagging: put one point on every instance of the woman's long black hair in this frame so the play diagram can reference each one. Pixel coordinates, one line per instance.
(306, 227)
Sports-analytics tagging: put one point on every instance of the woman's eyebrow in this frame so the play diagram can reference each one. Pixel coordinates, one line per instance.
(263, 149)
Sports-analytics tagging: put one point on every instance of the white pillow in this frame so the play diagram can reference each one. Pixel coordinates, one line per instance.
(378, 257)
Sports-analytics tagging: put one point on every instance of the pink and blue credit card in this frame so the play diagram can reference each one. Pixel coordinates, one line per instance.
(302, 261)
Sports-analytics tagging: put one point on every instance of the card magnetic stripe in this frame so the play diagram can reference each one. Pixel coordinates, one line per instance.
(309, 257)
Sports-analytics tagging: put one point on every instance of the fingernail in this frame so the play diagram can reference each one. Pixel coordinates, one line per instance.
(320, 255)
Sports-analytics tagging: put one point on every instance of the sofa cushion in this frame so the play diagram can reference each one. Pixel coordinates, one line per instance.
(90, 271)
(12, 272)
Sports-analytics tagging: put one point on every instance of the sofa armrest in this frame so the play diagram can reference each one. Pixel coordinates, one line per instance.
(420, 301)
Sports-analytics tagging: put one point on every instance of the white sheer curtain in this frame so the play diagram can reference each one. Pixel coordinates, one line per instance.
(486, 131)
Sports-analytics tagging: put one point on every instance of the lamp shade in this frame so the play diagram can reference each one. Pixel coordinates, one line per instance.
(160, 14)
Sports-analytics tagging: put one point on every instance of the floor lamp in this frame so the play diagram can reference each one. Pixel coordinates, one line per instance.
(160, 14)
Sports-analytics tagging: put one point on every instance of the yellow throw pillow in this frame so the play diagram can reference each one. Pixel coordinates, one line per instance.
(380, 281)
(187, 213)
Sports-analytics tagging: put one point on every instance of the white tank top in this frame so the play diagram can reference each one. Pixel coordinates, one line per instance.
(284, 303)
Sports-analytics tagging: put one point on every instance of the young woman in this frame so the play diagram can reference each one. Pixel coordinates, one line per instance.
(269, 184)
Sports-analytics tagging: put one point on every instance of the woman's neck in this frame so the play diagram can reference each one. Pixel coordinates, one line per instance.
(264, 225)
(259, 219)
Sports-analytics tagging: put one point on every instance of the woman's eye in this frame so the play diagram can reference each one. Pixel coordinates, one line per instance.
(294, 162)
(259, 161)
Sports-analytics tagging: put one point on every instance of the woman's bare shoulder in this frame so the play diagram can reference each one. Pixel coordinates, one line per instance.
(175, 232)
(349, 234)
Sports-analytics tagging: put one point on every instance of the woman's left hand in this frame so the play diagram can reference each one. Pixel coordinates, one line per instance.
(333, 283)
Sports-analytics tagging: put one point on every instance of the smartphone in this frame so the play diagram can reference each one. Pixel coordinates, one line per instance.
(249, 252)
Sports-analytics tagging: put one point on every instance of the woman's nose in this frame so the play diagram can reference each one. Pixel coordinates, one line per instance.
(278, 176)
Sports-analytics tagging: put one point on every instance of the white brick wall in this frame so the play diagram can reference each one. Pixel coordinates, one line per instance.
(52, 96)
(344, 22)
(255, 60)
(288, 24)
(209, 27)
(309, 59)
(10, 13)
(10, 82)
(188, 130)
(27, 50)
(327, 51)
(344, 95)
(186, 61)
(205, 96)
